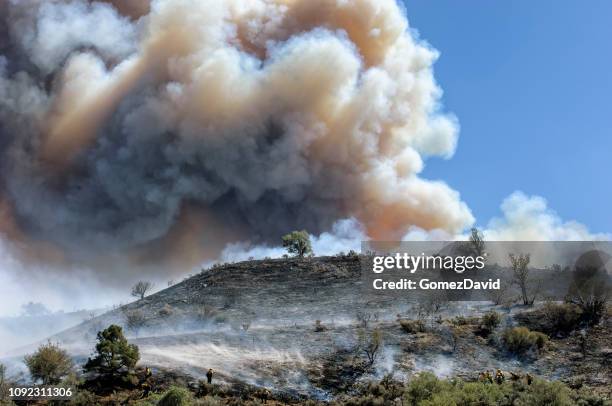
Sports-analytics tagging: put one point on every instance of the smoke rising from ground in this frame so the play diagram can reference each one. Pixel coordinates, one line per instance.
(171, 126)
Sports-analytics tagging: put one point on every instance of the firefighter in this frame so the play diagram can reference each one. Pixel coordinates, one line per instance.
(514, 377)
(499, 376)
(209, 376)
(529, 378)
(146, 389)
(488, 376)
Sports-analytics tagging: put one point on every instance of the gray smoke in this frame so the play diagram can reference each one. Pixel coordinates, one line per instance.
(164, 131)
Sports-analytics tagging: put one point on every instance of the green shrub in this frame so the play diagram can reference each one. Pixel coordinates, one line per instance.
(176, 396)
(464, 321)
(586, 397)
(425, 389)
(370, 344)
(412, 326)
(49, 364)
(83, 398)
(542, 393)
(472, 393)
(491, 320)
(553, 318)
(4, 386)
(562, 318)
(208, 401)
(114, 356)
(519, 340)
(540, 339)
(422, 387)
(150, 400)
(488, 324)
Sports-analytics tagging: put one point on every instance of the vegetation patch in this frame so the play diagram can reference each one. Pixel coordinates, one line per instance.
(425, 389)
(520, 340)
(554, 319)
(412, 326)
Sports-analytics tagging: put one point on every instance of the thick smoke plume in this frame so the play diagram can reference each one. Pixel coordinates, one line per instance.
(147, 132)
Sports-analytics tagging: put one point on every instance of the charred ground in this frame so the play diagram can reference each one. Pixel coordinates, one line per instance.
(297, 328)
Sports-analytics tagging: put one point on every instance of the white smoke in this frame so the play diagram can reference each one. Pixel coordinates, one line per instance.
(346, 235)
(69, 290)
(523, 218)
(528, 218)
(63, 27)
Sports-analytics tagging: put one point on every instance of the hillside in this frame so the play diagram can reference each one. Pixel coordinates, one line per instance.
(255, 323)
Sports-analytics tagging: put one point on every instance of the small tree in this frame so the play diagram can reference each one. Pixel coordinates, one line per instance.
(363, 318)
(590, 291)
(520, 270)
(498, 296)
(452, 335)
(477, 242)
(114, 356)
(371, 344)
(3, 385)
(141, 288)
(488, 323)
(298, 243)
(49, 363)
(134, 320)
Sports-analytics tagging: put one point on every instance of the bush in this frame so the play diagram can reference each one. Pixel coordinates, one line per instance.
(472, 393)
(562, 318)
(519, 340)
(423, 387)
(176, 396)
(319, 327)
(166, 311)
(464, 321)
(591, 286)
(134, 320)
(208, 401)
(488, 324)
(545, 393)
(49, 363)
(412, 326)
(385, 392)
(491, 320)
(114, 356)
(553, 318)
(83, 398)
(370, 344)
(427, 390)
(3, 386)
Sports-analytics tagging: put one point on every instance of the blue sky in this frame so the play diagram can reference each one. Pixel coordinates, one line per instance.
(531, 84)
